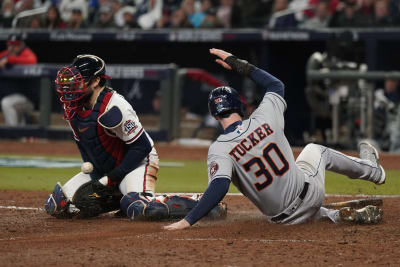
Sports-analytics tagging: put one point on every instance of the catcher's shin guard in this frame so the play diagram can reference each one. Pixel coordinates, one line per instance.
(57, 203)
(179, 206)
(133, 205)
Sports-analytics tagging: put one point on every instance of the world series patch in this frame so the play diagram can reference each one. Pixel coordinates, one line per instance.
(130, 127)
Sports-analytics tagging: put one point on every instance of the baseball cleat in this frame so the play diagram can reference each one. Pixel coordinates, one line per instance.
(369, 152)
(367, 215)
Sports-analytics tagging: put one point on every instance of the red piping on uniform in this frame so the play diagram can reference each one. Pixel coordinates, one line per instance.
(133, 138)
(112, 145)
(145, 173)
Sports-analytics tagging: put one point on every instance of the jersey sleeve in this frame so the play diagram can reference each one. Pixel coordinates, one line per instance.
(130, 128)
(273, 106)
(219, 166)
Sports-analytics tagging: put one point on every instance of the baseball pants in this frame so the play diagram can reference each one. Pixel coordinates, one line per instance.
(313, 161)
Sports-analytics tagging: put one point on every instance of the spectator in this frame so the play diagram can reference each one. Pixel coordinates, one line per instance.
(165, 20)
(53, 19)
(117, 7)
(66, 8)
(287, 21)
(35, 22)
(17, 108)
(76, 20)
(310, 13)
(148, 13)
(24, 5)
(105, 18)
(382, 17)
(367, 7)
(224, 13)
(179, 19)
(347, 16)
(322, 17)
(93, 8)
(205, 17)
(7, 13)
(129, 19)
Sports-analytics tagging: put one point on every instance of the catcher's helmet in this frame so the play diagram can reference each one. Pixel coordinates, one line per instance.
(72, 81)
(223, 99)
(90, 66)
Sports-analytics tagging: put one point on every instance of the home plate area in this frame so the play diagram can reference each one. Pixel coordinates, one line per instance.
(30, 237)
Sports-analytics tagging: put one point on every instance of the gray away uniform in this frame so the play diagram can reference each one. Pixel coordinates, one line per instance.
(258, 159)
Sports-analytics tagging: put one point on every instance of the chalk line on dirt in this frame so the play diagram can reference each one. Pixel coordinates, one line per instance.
(229, 194)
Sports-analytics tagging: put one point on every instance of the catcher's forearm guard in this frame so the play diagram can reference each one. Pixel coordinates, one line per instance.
(239, 65)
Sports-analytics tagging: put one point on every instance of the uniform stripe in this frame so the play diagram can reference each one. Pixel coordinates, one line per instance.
(145, 173)
(135, 137)
(112, 145)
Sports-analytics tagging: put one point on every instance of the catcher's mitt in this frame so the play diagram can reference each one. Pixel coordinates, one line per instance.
(93, 198)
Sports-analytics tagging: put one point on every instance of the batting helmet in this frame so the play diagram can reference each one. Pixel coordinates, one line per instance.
(223, 99)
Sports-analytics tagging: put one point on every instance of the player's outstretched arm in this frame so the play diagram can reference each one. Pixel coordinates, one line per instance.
(259, 76)
(215, 192)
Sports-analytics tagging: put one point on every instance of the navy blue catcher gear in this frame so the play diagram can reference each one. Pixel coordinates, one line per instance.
(223, 99)
(90, 66)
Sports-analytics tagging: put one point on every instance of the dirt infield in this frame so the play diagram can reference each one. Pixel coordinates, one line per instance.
(30, 237)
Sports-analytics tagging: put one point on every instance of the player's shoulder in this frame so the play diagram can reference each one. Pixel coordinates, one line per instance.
(118, 100)
(275, 98)
(217, 148)
(112, 116)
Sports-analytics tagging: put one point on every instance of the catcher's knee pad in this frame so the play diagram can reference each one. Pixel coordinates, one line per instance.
(179, 206)
(57, 203)
(133, 205)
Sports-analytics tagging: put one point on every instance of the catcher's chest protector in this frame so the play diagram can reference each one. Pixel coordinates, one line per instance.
(104, 151)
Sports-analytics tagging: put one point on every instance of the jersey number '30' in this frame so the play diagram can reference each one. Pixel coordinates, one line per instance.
(262, 170)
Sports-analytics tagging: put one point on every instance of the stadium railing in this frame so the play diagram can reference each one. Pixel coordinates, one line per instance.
(126, 77)
(367, 95)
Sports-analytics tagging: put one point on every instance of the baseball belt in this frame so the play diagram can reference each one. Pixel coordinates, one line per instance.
(292, 207)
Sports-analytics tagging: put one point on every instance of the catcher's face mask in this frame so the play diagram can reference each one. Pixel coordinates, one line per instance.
(72, 88)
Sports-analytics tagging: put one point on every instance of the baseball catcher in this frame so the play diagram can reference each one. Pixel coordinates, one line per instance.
(110, 136)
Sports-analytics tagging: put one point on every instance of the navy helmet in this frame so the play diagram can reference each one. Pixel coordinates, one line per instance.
(224, 99)
(90, 66)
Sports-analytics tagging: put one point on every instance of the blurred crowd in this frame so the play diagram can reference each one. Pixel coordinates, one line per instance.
(153, 14)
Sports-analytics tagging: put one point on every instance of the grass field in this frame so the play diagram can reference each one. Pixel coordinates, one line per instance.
(190, 178)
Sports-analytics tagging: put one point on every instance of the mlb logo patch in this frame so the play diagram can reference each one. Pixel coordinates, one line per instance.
(129, 127)
(218, 100)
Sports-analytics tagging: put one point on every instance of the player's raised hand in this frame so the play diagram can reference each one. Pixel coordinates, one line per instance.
(182, 224)
(230, 62)
(222, 56)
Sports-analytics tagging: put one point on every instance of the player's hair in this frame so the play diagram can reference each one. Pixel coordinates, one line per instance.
(227, 114)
